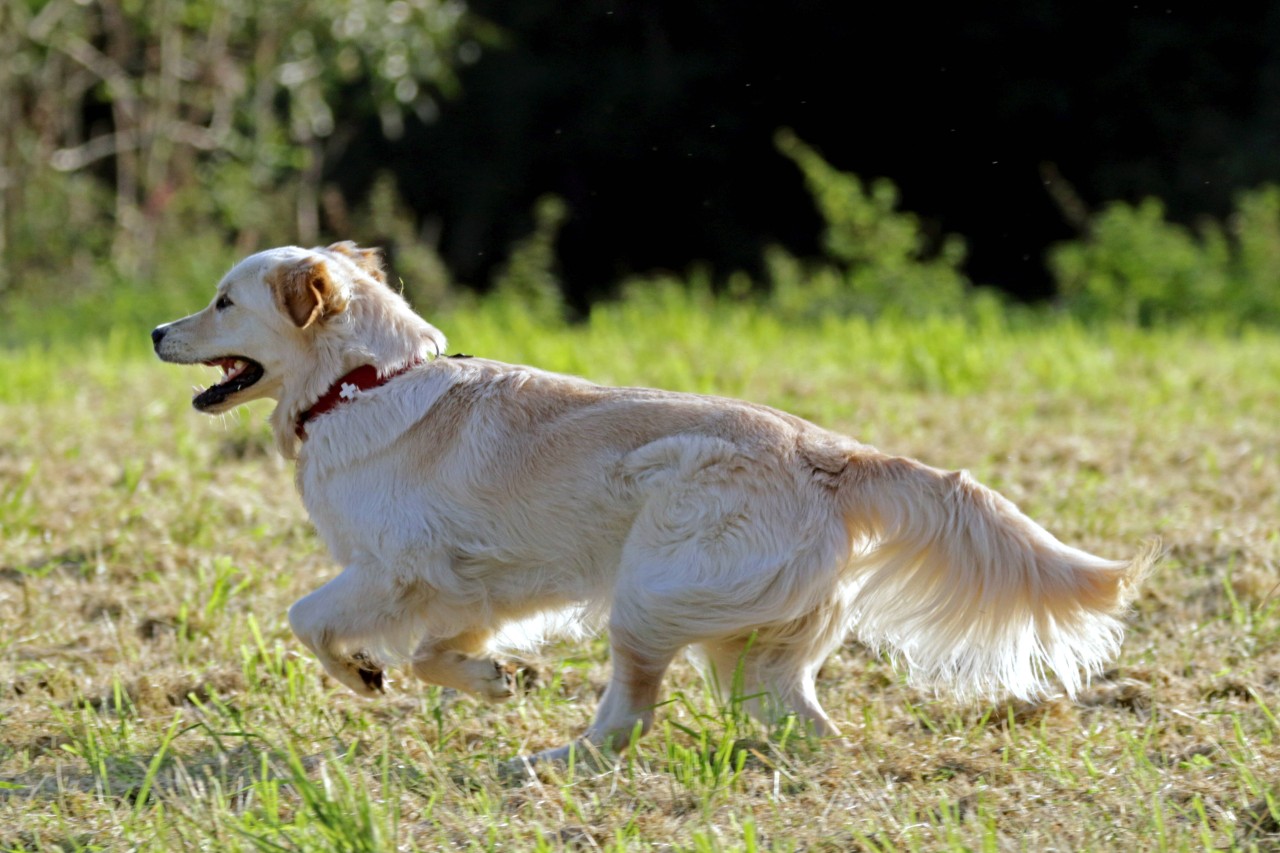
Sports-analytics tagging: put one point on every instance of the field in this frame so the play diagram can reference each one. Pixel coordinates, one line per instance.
(153, 697)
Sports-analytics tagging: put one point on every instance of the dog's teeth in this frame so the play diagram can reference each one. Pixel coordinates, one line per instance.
(231, 371)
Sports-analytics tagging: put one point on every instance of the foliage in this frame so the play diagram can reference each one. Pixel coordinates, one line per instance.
(1135, 265)
(132, 123)
(105, 304)
(412, 263)
(1131, 264)
(654, 122)
(878, 258)
(528, 281)
(199, 114)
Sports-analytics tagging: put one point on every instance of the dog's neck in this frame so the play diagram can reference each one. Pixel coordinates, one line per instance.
(383, 334)
(346, 389)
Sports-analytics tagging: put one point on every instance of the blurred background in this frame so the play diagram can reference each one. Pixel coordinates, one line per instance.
(1114, 158)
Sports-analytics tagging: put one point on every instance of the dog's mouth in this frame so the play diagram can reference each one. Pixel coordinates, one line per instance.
(238, 373)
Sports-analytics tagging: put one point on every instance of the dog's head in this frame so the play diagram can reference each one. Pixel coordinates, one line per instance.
(280, 317)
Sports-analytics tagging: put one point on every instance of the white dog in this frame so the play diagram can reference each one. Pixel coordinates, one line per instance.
(472, 502)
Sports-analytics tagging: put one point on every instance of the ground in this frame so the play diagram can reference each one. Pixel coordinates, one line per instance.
(153, 696)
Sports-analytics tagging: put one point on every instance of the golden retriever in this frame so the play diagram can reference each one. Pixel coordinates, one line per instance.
(475, 505)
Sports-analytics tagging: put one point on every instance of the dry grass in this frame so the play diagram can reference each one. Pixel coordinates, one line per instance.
(153, 697)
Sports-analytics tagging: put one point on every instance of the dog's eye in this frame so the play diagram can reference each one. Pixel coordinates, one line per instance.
(223, 302)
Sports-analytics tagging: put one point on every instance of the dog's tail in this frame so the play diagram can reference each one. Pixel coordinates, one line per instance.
(972, 594)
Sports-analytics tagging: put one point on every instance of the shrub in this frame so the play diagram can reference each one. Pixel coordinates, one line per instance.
(528, 280)
(1135, 265)
(1255, 231)
(878, 259)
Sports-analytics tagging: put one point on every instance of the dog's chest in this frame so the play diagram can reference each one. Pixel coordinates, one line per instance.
(371, 512)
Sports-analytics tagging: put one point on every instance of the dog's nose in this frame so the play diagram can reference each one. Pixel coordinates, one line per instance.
(157, 335)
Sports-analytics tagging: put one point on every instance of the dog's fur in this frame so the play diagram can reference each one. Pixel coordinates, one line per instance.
(473, 503)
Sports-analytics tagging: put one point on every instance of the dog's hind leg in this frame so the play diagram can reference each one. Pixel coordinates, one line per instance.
(359, 610)
(459, 662)
(629, 700)
(771, 682)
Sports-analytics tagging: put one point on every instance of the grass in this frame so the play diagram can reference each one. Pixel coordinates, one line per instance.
(153, 697)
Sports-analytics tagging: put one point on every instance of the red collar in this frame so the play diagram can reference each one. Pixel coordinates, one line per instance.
(347, 389)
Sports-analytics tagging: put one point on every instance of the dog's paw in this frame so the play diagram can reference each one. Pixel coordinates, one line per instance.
(499, 684)
(372, 679)
(482, 677)
(370, 674)
(487, 678)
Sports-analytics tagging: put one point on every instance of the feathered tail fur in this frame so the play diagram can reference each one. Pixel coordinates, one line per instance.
(971, 593)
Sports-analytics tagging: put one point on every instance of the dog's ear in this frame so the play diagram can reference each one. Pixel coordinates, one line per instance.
(368, 260)
(306, 292)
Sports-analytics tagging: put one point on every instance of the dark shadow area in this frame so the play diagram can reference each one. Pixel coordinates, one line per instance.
(999, 122)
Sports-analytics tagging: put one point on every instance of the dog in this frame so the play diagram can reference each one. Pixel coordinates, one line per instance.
(476, 506)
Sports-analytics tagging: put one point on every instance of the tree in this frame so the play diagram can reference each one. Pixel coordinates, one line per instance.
(206, 110)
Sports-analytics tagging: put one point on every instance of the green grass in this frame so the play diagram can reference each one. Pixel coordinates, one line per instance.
(153, 698)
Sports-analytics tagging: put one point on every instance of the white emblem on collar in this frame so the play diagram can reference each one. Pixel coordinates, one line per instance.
(349, 391)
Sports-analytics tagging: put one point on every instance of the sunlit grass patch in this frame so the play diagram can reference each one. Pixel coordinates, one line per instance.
(153, 697)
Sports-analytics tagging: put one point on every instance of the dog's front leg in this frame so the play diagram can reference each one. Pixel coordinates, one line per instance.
(338, 620)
